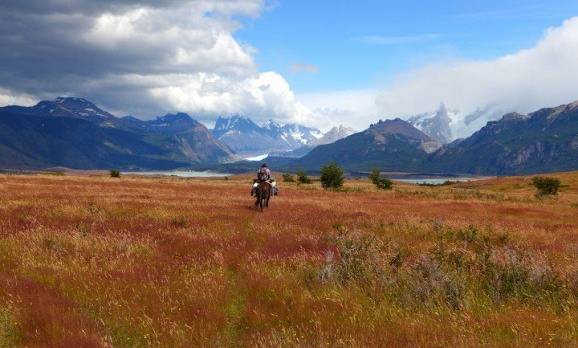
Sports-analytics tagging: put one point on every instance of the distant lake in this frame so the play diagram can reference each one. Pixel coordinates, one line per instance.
(438, 180)
(181, 174)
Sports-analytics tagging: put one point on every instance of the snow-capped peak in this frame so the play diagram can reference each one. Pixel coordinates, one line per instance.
(446, 124)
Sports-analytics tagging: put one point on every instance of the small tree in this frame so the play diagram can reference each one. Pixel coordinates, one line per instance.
(546, 185)
(288, 178)
(114, 173)
(380, 182)
(375, 175)
(302, 178)
(331, 176)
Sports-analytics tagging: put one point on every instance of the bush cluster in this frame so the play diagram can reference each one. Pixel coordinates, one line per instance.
(288, 177)
(464, 265)
(302, 178)
(332, 176)
(546, 185)
(380, 182)
(114, 173)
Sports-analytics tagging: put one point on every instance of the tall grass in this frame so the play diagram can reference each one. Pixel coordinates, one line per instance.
(164, 262)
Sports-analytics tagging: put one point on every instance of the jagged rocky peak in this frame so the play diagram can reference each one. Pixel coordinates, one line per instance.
(334, 134)
(435, 124)
(514, 116)
(272, 125)
(235, 123)
(178, 117)
(72, 107)
(244, 135)
(398, 126)
(340, 131)
(173, 123)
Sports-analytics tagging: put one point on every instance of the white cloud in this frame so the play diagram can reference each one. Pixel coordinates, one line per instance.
(8, 97)
(545, 75)
(146, 58)
(353, 108)
(262, 96)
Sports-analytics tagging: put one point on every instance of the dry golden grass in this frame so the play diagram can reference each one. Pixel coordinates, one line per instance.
(163, 262)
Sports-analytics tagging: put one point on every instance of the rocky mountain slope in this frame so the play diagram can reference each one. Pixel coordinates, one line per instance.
(331, 136)
(545, 140)
(388, 145)
(435, 124)
(75, 133)
(334, 134)
(245, 136)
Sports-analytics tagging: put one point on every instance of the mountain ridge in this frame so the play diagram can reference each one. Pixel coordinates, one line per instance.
(542, 141)
(75, 133)
(385, 144)
(245, 136)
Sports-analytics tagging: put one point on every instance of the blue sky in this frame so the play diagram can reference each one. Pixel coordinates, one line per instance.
(316, 62)
(362, 44)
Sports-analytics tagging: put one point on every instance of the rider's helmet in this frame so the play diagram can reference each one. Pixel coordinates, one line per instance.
(264, 165)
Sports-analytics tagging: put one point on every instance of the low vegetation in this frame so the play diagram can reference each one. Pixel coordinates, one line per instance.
(114, 173)
(288, 178)
(303, 178)
(332, 176)
(380, 182)
(546, 185)
(165, 262)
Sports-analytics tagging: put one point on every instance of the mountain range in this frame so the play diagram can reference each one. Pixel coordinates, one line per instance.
(246, 137)
(75, 133)
(545, 140)
(334, 134)
(388, 145)
(542, 141)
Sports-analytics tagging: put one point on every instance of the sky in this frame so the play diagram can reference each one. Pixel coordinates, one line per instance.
(319, 63)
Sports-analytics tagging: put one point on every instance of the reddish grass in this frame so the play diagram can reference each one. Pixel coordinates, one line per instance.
(93, 261)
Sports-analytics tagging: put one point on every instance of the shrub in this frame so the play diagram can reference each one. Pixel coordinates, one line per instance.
(288, 178)
(380, 182)
(302, 178)
(331, 176)
(355, 257)
(114, 173)
(546, 185)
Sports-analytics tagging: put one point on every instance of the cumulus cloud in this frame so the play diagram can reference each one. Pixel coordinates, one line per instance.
(147, 57)
(261, 95)
(353, 108)
(9, 98)
(141, 57)
(541, 76)
(544, 75)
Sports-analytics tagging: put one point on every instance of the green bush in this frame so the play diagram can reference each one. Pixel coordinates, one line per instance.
(288, 178)
(114, 173)
(380, 182)
(302, 178)
(331, 176)
(546, 185)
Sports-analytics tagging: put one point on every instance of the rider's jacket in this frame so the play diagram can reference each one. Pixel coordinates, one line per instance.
(264, 174)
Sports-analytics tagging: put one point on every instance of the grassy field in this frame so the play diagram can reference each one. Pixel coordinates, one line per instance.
(162, 262)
